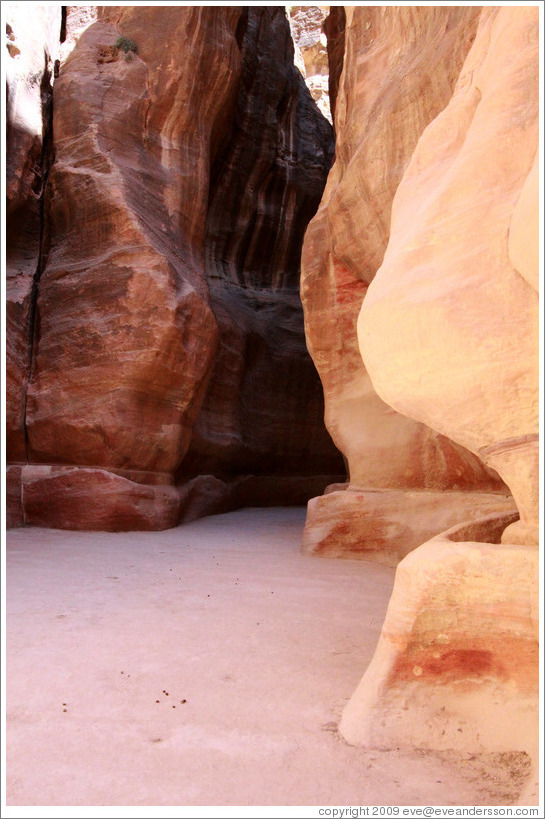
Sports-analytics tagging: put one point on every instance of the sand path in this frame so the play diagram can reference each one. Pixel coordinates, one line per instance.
(204, 665)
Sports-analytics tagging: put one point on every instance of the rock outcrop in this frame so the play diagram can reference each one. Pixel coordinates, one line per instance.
(457, 664)
(467, 207)
(30, 46)
(382, 107)
(267, 182)
(448, 333)
(150, 289)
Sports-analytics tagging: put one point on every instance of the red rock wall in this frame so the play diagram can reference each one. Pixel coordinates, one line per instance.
(152, 162)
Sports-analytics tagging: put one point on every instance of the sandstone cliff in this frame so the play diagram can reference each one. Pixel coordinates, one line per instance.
(429, 225)
(399, 469)
(459, 210)
(173, 150)
(156, 361)
(267, 181)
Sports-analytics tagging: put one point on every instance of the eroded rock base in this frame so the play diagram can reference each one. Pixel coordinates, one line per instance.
(93, 499)
(385, 525)
(457, 663)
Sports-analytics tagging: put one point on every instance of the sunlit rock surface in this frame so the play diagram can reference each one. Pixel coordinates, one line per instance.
(382, 106)
(307, 24)
(449, 334)
(459, 278)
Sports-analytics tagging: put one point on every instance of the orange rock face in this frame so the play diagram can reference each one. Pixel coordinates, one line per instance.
(448, 332)
(458, 657)
(378, 525)
(173, 153)
(121, 311)
(459, 278)
(382, 107)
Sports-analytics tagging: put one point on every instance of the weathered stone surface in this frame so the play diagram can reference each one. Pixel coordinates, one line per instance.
(209, 495)
(122, 305)
(66, 497)
(524, 227)
(448, 332)
(457, 288)
(382, 107)
(334, 29)
(30, 43)
(77, 19)
(252, 421)
(14, 507)
(263, 412)
(272, 166)
(457, 662)
(385, 525)
(184, 178)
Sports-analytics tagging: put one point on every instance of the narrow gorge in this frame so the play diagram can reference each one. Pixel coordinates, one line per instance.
(268, 256)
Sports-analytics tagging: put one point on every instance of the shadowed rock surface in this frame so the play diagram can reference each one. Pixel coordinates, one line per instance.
(191, 148)
(29, 67)
(263, 413)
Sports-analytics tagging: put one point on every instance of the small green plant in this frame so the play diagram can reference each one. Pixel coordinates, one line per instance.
(126, 45)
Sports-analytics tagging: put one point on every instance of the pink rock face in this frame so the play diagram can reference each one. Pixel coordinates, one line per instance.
(385, 525)
(457, 291)
(187, 163)
(96, 499)
(382, 107)
(448, 332)
(457, 662)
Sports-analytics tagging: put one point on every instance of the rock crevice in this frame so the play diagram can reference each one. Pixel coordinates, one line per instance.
(29, 72)
(38, 187)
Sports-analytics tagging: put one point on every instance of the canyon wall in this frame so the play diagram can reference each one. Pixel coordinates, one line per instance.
(422, 262)
(470, 180)
(156, 361)
(263, 411)
(165, 322)
(407, 481)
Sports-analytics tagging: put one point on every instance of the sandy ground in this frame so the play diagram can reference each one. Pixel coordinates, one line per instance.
(205, 665)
